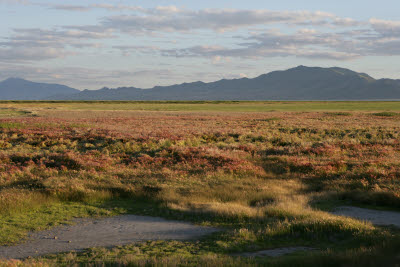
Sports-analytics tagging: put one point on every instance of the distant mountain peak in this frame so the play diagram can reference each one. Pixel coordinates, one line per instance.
(335, 70)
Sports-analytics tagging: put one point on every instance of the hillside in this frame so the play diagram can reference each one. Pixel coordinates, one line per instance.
(20, 89)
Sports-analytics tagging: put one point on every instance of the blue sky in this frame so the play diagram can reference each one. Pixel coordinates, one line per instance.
(90, 44)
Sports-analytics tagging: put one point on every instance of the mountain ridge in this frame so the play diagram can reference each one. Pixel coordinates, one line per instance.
(299, 83)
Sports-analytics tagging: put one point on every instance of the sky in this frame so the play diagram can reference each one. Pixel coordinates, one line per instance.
(89, 44)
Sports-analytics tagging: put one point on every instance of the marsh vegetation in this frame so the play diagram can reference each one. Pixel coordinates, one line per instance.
(267, 178)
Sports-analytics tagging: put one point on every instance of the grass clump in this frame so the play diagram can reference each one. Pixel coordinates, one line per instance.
(386, 114)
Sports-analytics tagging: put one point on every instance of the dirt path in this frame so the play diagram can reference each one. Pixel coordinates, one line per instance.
(114, 231)
(378, 217)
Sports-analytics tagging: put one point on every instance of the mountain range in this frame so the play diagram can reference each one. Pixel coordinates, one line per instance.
(300, 83)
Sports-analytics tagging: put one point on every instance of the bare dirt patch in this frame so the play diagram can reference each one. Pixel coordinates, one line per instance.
(109, 232)
(377, 217)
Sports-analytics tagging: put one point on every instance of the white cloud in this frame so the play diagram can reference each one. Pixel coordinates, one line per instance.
(38, 44)
(84, 8)
(386, 27)
(181, 20)
(128, 49)
(307, 43)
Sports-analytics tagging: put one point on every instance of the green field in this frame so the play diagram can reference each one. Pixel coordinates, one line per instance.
(239, 106)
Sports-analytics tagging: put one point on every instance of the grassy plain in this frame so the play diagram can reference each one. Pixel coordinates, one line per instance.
(265, 172)
(209, 106)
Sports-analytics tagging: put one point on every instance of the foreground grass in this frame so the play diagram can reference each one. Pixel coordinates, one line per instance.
(172, 253)
(266, 179)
